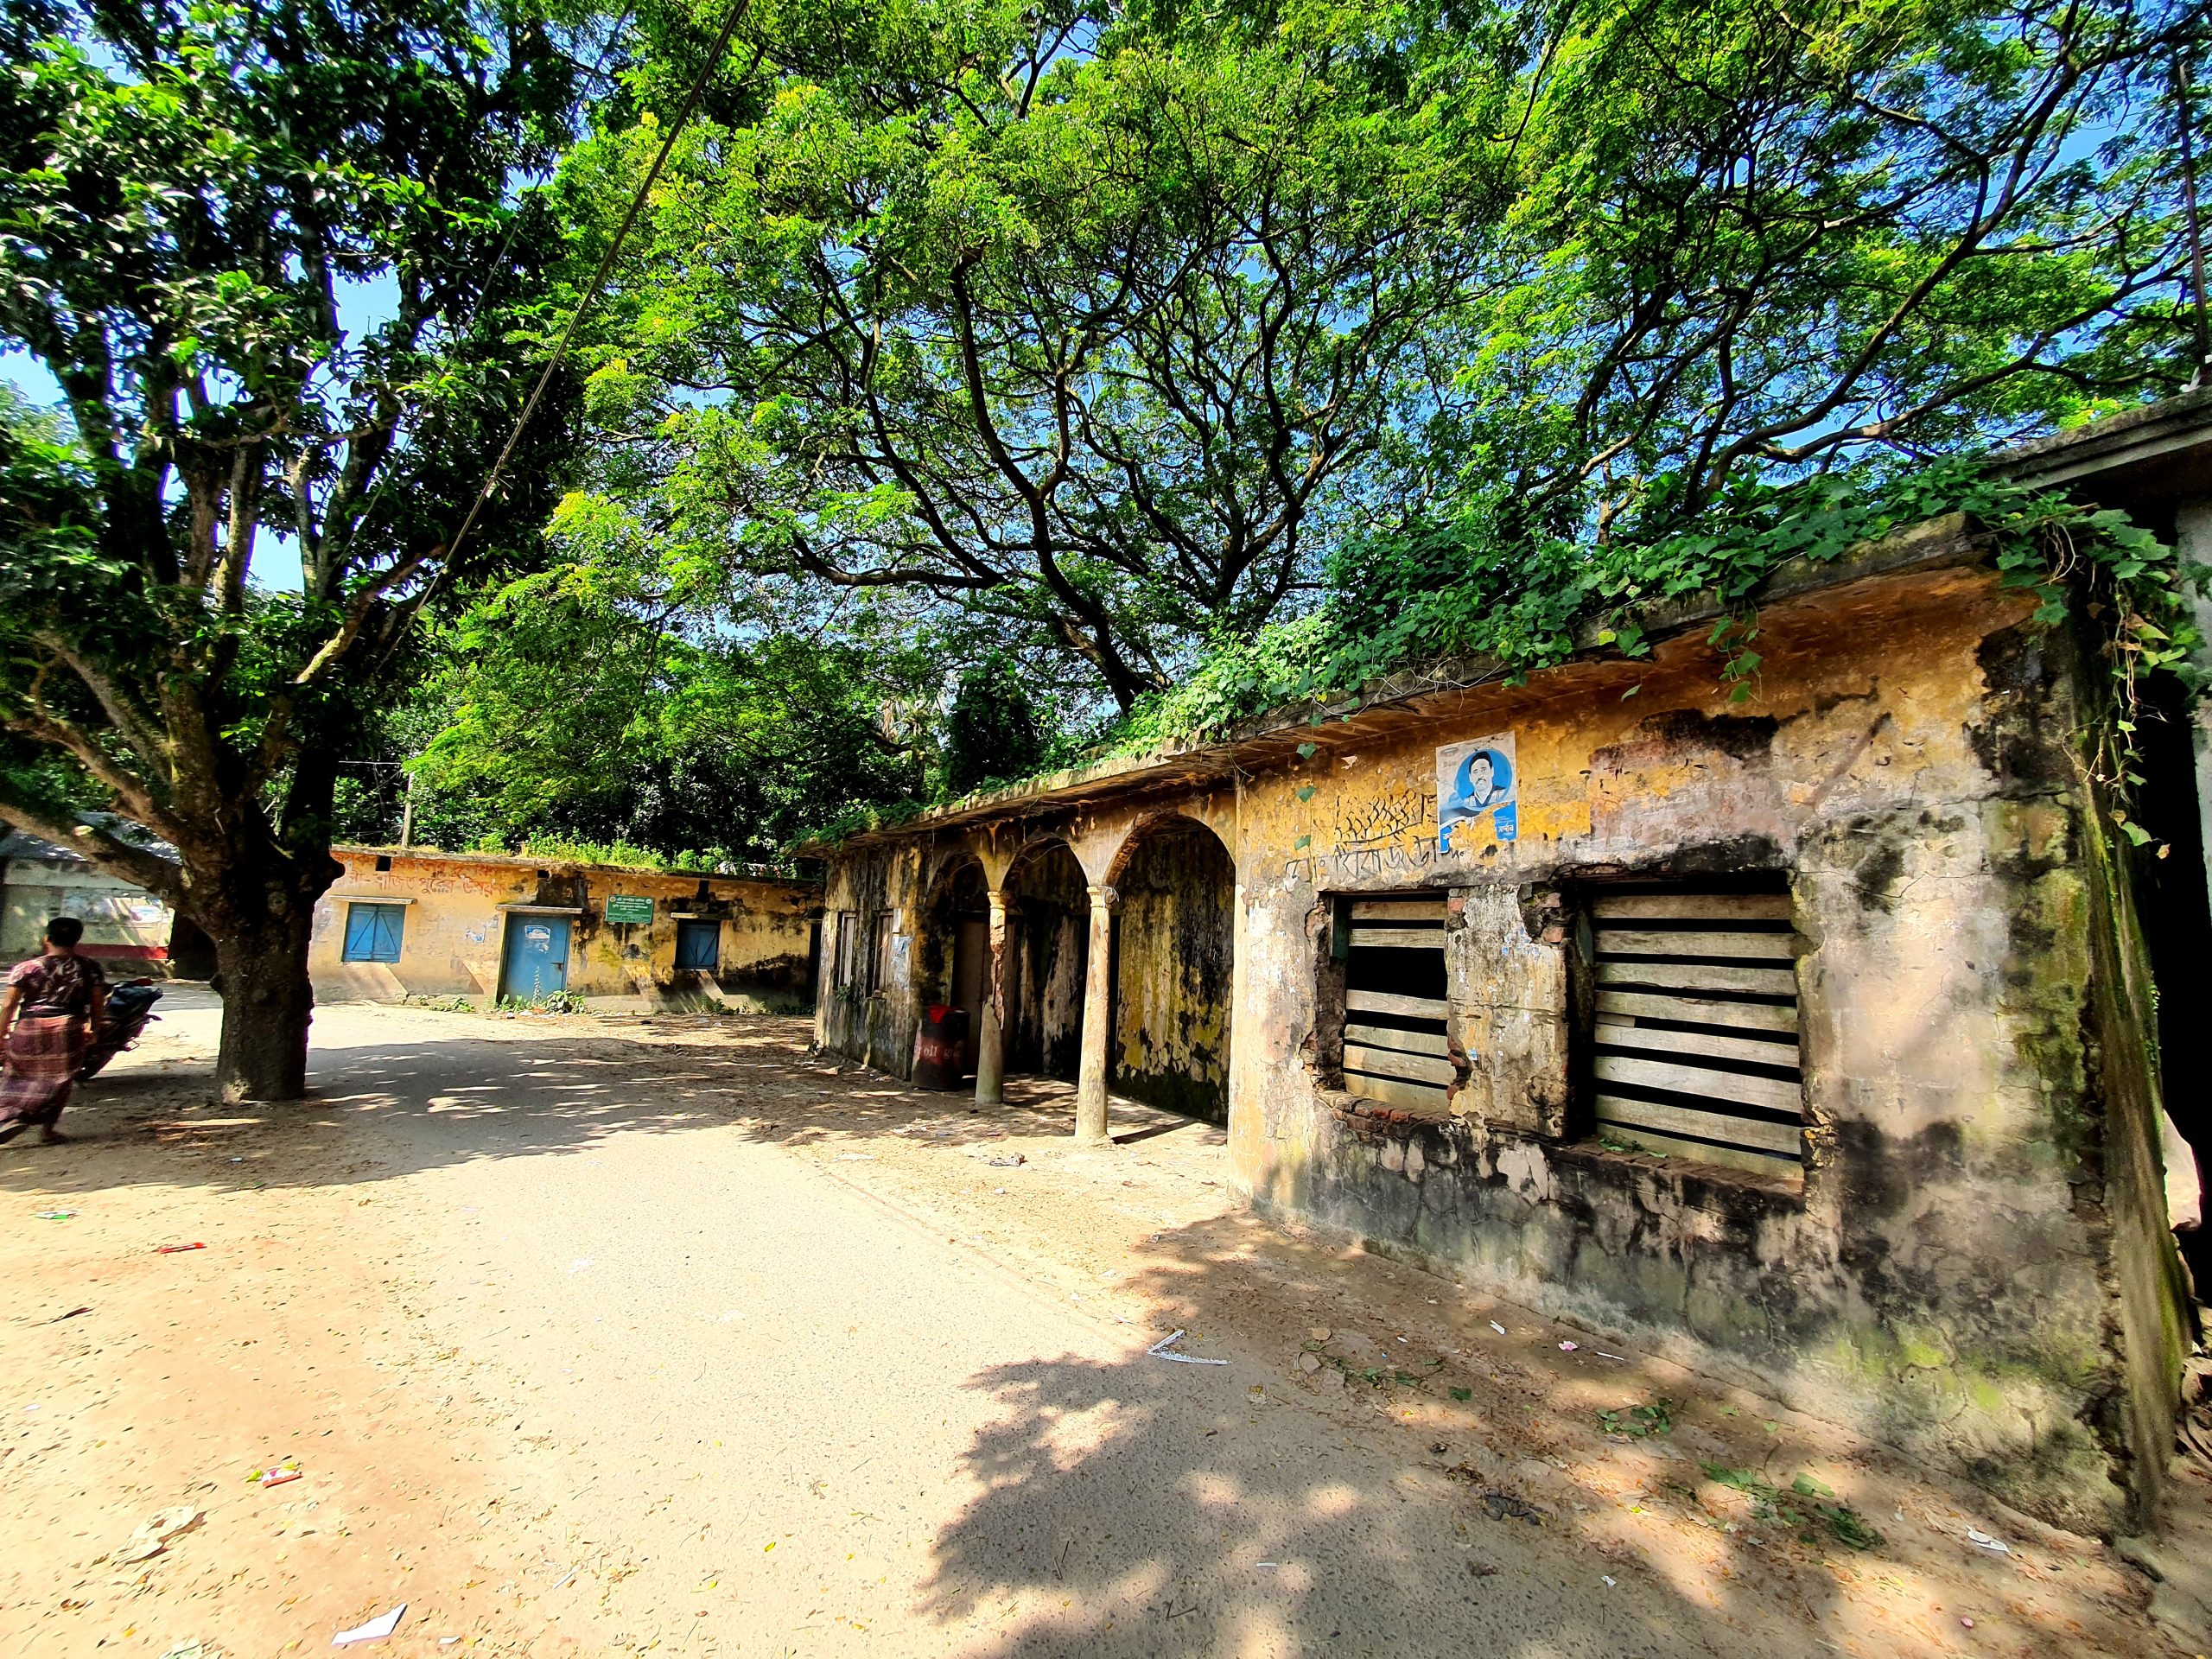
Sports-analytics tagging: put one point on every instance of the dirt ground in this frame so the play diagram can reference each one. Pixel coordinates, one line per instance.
(595, 1336)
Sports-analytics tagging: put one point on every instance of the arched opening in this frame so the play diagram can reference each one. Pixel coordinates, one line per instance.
(1048, 940)
(953, 954)
(1175, 948)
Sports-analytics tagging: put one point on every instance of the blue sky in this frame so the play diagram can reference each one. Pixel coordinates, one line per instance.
(362, 307)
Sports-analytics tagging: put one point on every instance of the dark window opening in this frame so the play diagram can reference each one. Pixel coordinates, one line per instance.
(384, 863)
(879, 951)
(848, 956)
(1691, 1046)
(699, 945)
(1393, 1046)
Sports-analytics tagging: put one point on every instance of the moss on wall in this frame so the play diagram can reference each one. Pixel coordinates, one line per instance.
(1174, 953)
(1974, 1266)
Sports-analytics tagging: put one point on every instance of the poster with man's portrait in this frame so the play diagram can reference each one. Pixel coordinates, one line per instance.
(1475, 782)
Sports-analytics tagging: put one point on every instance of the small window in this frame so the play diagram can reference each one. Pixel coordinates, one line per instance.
(878, 950)
(845, 960)
(1395, 1050)
(372, 932)
(699, 945)
(384, 863)
(1693, 1053)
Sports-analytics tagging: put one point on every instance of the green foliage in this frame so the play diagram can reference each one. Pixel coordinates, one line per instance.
(1807, 1507)
(1090, 326)
(620, 855)
(1640, 1422)
(551, 1002)
(1436, 605)
(189, 193)
(621, 701)
(991, 730)
(1119, 327)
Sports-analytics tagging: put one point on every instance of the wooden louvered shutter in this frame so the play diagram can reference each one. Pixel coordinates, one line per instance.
(1694, 1051)
(1395, 1046)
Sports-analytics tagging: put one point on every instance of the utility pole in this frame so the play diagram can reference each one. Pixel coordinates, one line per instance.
(407, 816)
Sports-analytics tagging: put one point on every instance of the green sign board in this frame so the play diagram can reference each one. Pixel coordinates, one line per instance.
(624, 908)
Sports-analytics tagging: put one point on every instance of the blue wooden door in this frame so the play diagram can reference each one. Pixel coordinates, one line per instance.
(538, 956)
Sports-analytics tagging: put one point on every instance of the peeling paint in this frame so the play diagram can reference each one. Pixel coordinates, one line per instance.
(1971, 1262)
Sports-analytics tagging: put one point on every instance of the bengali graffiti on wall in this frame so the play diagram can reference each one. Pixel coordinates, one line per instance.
(1388, 832)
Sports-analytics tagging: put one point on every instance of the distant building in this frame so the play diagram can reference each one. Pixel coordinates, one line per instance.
(125, 927)
(491, 927)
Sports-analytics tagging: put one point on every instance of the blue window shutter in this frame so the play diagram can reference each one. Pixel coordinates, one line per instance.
(372, 932)
(698, 944)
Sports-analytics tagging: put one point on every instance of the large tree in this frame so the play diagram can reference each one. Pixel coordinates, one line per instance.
(1751, 240)
(1092, 329)
(193, 201)
(1114, 322)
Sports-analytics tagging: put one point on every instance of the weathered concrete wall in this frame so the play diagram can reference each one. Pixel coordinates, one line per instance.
(1174, 952)
(1049, 930)
(1944, 1276)
(126, 928)
(456, 931)
(1970, 1263)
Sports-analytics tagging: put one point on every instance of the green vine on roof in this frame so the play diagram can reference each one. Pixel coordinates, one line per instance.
(1455, 594)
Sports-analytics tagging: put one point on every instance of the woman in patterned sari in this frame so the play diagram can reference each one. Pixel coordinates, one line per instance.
(52, 1005)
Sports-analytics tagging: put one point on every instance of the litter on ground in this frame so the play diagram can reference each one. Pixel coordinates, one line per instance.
(150, 1538)
(375, 1630)
(1159, 1351)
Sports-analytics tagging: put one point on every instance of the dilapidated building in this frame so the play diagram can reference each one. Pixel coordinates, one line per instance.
(1810, 1040)
(488, 928)
(126, 928)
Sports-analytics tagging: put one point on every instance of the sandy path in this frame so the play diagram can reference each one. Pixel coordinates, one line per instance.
(651, 1338)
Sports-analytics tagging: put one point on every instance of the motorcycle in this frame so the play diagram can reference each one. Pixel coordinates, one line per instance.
(130, 1006)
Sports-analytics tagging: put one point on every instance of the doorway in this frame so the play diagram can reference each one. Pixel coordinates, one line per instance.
(535, 963)
(955, 952)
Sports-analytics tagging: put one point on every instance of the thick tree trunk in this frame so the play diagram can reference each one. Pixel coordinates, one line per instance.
(262, 972)
(267, 1005)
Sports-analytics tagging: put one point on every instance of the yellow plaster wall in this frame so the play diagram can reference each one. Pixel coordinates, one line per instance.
(1907, 758)
(455, 929)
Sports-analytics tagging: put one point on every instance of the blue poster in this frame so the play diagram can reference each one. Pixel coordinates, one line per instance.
(1477, 782)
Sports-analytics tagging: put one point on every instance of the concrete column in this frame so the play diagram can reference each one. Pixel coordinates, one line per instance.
(991, 1041)
(1097, 1013)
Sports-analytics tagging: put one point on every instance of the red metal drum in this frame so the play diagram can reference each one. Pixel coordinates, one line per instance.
(941, 1048)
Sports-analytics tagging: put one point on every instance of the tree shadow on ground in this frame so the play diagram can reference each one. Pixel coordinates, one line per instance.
(480, 1094)
(1113, 1520)
(1117, 1525)
(1113, 1517)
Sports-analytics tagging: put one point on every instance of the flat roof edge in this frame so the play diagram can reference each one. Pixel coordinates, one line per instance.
(531, 861)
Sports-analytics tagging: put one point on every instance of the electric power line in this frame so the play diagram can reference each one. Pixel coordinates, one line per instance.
(707, 68)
